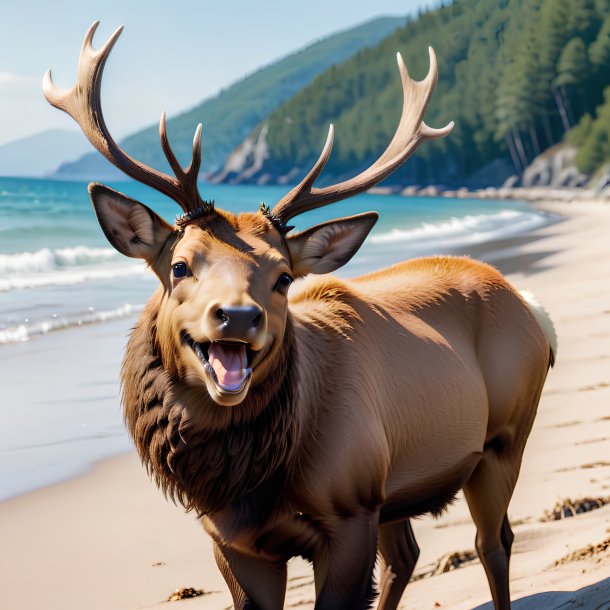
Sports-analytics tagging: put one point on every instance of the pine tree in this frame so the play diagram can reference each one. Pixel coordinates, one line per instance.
(572, 70)
(599, 50)
(573, 64)
(582, 20)
(595, 149)
(580, 132)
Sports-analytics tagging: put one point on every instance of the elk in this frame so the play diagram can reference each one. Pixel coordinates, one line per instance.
(316, 421)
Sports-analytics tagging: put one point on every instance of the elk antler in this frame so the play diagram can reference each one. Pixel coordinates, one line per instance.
(83, 104)
(410, 133)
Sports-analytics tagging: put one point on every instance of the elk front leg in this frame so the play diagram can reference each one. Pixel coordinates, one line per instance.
(399, 552)
(255, 583)
(343, 564)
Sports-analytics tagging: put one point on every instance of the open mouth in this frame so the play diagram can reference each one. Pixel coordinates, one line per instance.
(227, 362)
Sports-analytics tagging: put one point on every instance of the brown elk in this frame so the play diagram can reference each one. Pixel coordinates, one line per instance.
(317, 423)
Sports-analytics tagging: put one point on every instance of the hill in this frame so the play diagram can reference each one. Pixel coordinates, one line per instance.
(516, 76)
(229, 116)
(41, 153)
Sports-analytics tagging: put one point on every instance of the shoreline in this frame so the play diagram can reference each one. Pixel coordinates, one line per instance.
(68, 417)
(108, 539)
(531, 194)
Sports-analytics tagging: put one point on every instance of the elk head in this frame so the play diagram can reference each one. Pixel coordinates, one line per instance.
(225, 277)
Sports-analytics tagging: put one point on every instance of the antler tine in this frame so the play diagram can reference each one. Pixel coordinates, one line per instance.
(65, 99)
(307, 183)
(411, 131)
(186, 177)
(83, 103)
(167, 149)
(196, 158)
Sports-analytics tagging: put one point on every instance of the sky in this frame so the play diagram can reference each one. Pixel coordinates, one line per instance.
(170, 56)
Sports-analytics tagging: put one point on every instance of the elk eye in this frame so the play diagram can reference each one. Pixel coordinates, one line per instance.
(180, 270)
(283, 283)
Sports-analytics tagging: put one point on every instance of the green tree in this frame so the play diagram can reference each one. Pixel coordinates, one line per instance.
(582, 19)
(573, 64)
(599, 50)
(572, 69)
(595, 149)
(580, 132)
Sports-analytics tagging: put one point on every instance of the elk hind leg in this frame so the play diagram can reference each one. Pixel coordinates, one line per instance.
(488, 493)
(507, 536)
(399, 553)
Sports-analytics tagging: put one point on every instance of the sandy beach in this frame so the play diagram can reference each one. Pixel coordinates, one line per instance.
(108, 540)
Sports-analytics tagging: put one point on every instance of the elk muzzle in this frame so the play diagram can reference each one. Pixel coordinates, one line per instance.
(235, 335)
(236, 320)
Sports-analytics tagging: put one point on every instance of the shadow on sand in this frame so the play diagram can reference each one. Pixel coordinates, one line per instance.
(593, 597)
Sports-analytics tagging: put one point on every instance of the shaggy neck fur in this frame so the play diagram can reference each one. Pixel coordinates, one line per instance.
(207, 467)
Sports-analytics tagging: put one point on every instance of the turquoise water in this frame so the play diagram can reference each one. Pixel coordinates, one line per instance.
(57, 270)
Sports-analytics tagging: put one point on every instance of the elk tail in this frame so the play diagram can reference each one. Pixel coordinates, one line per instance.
(544, 320)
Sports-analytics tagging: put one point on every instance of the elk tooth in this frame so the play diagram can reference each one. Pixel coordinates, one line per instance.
(200, 353)
(210, 370)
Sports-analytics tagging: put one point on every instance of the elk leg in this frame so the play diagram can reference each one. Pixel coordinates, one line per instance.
(488, 494)
(343, 565)
(507, 536)
(399, 552)
(255, 584)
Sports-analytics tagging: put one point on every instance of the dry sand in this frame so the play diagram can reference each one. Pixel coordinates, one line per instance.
(108, 540)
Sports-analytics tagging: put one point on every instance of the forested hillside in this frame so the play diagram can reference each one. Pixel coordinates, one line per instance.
(516, 76)
(229, 116)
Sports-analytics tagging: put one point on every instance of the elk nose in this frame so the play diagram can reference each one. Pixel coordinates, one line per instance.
(238, 320)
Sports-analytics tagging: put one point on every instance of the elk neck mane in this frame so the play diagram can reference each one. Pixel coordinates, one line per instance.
(207, 467)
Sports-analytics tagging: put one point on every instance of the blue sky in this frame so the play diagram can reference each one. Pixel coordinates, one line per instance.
(170, 56)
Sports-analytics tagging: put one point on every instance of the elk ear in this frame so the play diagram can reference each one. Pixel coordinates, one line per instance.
(329, 245)
(132, 228)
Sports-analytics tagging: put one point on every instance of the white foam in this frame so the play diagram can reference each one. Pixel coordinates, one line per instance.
(28, 262)
(15, 334)
(465, 230)
(46, 259)
(24, 332)
(70, 278)
(83, 255)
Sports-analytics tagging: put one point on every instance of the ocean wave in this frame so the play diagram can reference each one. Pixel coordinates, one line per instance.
(70, 278)
(24, 332)
(465, 230)
(46, 259)
(63, 267)
(83, 255)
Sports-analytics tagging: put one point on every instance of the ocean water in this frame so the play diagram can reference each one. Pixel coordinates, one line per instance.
(63, 285)
(58, 271)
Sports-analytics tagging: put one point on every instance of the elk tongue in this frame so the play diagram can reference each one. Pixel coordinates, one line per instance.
(229, 363)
